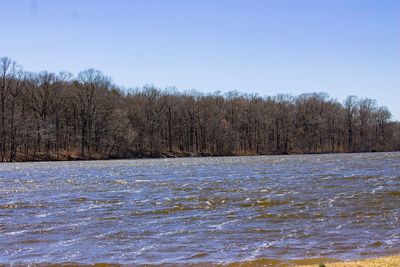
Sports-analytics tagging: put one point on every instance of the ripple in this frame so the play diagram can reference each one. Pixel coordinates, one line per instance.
(394, 193)
(122, 182)
(200, 211)
(265, 203)
(22, 205)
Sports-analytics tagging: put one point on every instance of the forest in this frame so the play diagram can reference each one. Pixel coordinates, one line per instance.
(48, 116)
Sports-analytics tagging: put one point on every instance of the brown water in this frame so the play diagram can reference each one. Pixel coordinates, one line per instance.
(271, 209)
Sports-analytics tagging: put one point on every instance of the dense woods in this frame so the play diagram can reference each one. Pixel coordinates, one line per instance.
(47, 116)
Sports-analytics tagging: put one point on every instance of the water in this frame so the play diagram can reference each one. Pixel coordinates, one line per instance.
(200, 210)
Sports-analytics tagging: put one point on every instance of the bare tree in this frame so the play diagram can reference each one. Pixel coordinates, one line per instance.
(49, 116)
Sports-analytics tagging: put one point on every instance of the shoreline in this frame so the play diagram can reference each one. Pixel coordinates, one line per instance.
(384, 261)
(185, 155)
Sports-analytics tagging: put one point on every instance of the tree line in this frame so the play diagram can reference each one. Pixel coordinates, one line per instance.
(48, 116)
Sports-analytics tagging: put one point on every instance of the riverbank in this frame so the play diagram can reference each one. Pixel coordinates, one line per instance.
(75, 156)
(389, 261)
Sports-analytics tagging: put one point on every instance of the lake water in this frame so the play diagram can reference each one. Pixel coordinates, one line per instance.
(200, 210)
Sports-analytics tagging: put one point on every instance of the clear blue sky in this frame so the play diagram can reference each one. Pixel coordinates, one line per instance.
(342, 47)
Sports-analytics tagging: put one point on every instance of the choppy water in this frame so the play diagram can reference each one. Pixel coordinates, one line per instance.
(200, 210)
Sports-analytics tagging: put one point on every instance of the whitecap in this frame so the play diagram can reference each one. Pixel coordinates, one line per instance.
(121, 182)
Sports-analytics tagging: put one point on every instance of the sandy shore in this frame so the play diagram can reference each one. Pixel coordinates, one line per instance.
(390, 261)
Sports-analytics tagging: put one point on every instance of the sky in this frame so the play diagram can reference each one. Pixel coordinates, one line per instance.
(269, 47)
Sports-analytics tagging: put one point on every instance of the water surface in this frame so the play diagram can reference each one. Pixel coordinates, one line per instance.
(200, 210)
